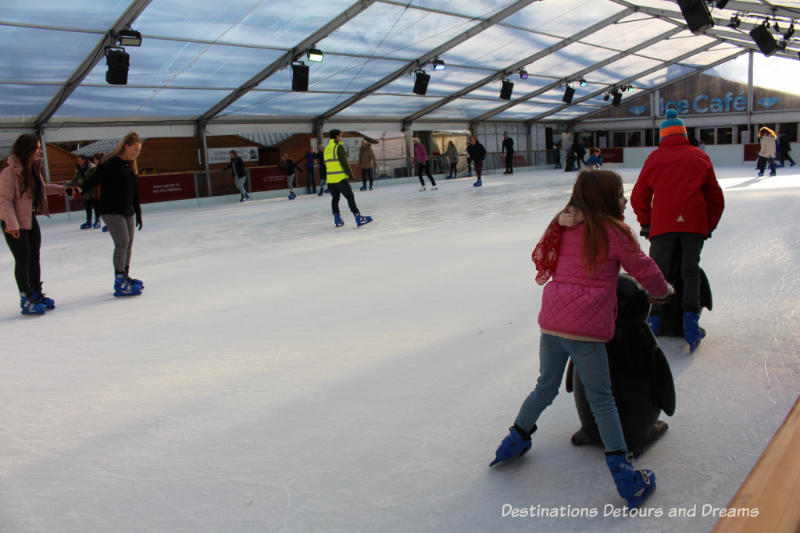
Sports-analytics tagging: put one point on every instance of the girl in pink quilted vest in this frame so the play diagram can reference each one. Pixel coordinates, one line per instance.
(582, 250)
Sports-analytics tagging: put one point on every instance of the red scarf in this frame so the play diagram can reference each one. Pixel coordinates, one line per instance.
(545, 255)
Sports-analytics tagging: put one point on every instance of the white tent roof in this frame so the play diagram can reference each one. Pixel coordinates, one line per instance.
(211, 64)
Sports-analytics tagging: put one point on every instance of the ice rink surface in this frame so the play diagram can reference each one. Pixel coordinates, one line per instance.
(279, 374)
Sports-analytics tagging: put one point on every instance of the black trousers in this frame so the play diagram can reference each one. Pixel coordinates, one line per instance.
(89, 204)
(661, 248)
(366, 173)
(342, 188)
(426, 166)
(510, 161)
(453, 168)
(310, 179)
(25, 250)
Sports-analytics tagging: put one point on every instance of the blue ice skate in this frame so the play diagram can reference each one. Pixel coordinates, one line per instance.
(515, 444)
(337, 219)
(29, 307)
(633, 485)
(123, 287)
(361, 220)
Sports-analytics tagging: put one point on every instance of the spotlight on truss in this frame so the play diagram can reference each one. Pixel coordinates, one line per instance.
(315, 55)
(523, 74)
(438, 64)
(582, 82)
(735, 21)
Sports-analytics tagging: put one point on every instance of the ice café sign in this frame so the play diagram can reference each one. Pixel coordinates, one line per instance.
(704, 103)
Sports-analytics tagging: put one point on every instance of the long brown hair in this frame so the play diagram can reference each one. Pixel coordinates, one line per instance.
(596, 195)
(766, 131)
(24, 148)
(129, 139)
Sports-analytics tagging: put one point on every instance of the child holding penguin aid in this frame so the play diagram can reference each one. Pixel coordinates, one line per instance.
(582, 250)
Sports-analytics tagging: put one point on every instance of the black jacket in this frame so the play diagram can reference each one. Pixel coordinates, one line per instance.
(119, 188)
(237, 167)
(476, 151)
(508, 145)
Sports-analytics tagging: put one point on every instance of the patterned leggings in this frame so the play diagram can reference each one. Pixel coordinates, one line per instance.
(121, 229)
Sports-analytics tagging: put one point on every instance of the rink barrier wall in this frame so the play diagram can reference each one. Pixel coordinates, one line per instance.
(772, 487)
(200, 188)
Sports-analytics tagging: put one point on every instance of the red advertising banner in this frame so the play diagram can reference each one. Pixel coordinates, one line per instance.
(751, 151)
(56, 203)
(166, 187)
(267, 179)
(611, 155)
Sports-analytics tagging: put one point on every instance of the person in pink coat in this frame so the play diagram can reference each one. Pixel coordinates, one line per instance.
(582, 251)
(423, 164)
(23, 194)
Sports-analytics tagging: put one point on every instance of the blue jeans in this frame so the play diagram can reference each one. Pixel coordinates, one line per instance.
(591, 360)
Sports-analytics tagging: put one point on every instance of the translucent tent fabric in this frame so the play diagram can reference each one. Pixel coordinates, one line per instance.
(207, 61)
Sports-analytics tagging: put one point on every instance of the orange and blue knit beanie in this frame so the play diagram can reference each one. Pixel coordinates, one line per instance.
(672, 125)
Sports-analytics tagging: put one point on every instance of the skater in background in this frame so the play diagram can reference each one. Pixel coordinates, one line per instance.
(582, 250)
(477, 153)
(311, 158)
(119, 207)
(291, 169)
(784, 147)
(452, 159)
(366, 159)
(239, 175)
(423, 164)
(323, 179)
(595, 160)
(338, 171)
(678, 200)
(557, 155)
(84, 169)
(508, 148)
(23, 195)
(767, 152)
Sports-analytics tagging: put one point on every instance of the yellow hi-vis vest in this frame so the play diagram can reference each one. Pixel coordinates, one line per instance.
(333, 168)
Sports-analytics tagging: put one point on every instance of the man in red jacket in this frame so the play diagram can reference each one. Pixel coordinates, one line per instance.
(677, 200)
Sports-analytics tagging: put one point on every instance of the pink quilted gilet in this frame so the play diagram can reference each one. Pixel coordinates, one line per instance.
(575, 304)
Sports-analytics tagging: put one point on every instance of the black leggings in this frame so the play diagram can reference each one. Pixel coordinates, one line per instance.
(25, 250)
(453, 168)
(510, 161)
(426, 166)
(342, 188)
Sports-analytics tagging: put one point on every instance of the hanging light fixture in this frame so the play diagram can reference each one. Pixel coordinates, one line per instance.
(315, 55)
(438, 64)
(523, 74)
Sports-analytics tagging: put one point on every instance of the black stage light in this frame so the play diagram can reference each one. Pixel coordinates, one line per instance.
(508, 87)
(606, 97)
(789, 32)
(299, 76)
(438, 64)
(764, 39)
(421, 82)
(617, 99)
(118, 61)
(696, 14)
(721, 4)
(583, 82)
(735, 21)
(569, 92)
(523, 74)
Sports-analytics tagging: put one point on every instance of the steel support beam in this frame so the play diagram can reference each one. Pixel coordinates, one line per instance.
(519, 64)
(99, 51)
(581, 73)
(640, 75)
(420, 61)
(286, 59)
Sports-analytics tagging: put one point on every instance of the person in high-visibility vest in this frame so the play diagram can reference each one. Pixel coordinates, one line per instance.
(338, 171)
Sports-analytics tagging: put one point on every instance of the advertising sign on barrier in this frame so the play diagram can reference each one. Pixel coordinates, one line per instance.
(222, 155)
(267, 179)
(166, 187)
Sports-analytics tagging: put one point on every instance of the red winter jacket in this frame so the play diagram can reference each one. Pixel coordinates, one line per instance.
(677, 190)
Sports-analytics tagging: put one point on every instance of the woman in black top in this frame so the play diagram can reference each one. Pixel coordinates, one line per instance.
(119, 204)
